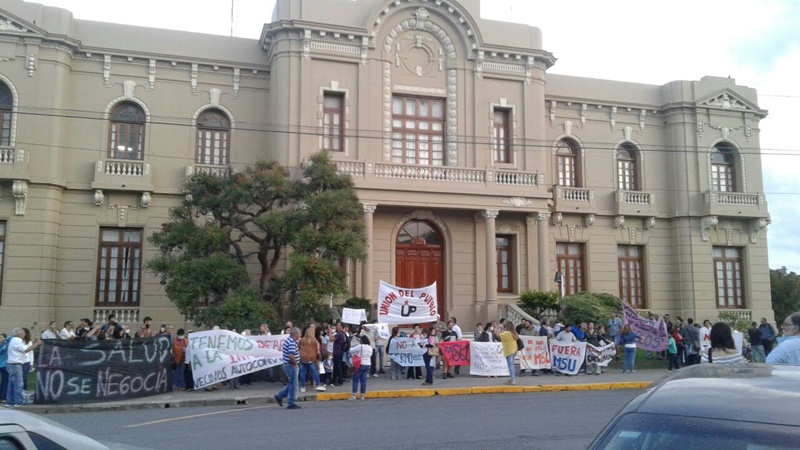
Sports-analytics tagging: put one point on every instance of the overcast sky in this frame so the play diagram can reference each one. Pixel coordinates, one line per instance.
(757, 43)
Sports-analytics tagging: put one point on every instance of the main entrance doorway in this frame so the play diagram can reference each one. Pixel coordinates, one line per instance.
(419, 257)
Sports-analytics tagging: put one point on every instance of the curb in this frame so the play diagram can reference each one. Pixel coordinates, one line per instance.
(488, 390)
(265, 400)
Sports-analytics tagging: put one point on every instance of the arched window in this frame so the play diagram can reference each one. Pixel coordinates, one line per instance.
(567, 163)
(126, 138)
(6, 110)
(723, 169)
(627, 168)
(213, 138)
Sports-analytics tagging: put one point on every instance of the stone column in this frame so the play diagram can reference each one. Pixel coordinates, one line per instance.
(490, 255)
(544, 260)
(366, 264)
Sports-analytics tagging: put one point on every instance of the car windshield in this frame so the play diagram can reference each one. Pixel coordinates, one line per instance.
(636, 431)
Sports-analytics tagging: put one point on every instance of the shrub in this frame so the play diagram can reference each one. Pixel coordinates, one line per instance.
(589, 307)
(243, 309)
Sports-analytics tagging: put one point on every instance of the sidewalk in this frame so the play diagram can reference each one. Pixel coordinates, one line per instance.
(382, 387)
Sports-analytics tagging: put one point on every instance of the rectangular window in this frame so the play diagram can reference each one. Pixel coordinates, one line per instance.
(212, 147)
(505, 261)
(119, 267)
(2, 255)
(569, 259)
(417, 131)
(721, 178)
(127, 141)
(631, 275)
(501, 136)
(728, 277)
(626, 175)
(332, 122)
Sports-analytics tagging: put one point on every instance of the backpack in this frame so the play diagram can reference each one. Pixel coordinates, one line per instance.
(520, 344)
(346, 344)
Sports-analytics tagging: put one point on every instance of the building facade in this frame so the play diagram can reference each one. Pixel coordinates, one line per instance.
(475, 167)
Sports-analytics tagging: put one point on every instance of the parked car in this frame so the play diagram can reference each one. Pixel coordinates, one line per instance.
(22, 430)
(730, 407)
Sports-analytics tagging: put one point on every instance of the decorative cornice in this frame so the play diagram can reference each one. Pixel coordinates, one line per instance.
(517, 202)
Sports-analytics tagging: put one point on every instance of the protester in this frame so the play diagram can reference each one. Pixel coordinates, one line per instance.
(566, 335)
(3, 363)
(145, 331)
(432, 346)
(17, 358)
(680, 358)
(449, 335)
(614, 326)
(756, 343)
(672, 353)
(723, 350)
(415, 372)
(627, 339)
(691, 342)
(395, 370)
(768, 334)
(509, 339)
(309, 357)
(380, 344)
(459, 337)
(364, 351)
(67, 332)
(788, 350)
(478, 331)
(291, 359)
(179, 345)
(595, 338)
(338, 355)
(52, 331)
(28, 364)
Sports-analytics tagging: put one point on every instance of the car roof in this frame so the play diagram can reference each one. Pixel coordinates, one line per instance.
(762, 392)
(64, 436)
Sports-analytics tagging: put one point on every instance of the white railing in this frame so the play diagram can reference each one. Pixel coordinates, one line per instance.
(637, 198)
(740, 314)
(124, 315)
(430, 173)
(576, 194)
(124, 168)
(7, 156)
(516, 178)
(218, 171)
(737, 199)
(354, 169)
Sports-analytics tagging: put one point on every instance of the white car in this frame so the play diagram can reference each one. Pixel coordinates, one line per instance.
(20, 430)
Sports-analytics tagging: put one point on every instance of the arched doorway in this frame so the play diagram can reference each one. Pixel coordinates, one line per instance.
(419, 257)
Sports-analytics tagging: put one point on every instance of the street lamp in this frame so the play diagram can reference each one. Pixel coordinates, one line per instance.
(562, 287)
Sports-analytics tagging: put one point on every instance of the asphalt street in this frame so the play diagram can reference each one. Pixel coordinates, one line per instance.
(563, 420)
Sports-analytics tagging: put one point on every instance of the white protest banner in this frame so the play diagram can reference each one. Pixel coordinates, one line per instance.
(486, 359)
(601, 355)
(536, 354)
(705, 339)
(567, 357)
(220, 355)
(353, 316)
(408, 352)
(405, 306)
(649, 336)
(381, 328)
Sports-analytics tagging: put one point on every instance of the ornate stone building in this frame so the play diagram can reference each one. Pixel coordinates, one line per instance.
(476, 168)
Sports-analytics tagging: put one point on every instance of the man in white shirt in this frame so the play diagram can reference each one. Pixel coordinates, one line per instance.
(459, 337)
(17, 356)
(51, 332)
(67, 332)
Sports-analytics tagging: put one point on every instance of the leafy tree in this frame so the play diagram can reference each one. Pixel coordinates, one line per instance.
(232, 234)
(785, 288)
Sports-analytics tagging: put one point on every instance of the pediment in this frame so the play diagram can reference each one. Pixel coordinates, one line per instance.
(9, 23)
(727, 99)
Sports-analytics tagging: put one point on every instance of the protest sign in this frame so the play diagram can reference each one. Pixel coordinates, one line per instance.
(381, 328)
(486, 359)
(408, 352)
(220, 355)
(567, 357)
(95, 371)
(353, 316)
(705, 339)
(649, 336)
(455, 353)
(405, 306)
(738, 342)
(601, 355)
(536, 354)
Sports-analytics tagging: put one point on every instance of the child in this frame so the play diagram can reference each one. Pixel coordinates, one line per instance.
(327, 377)
(672, 353)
